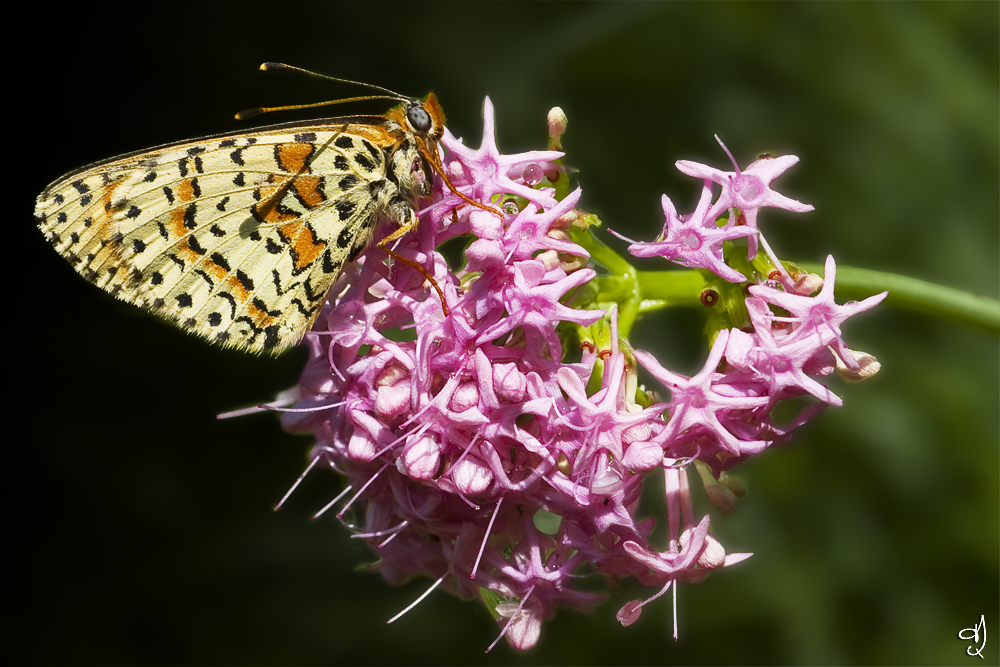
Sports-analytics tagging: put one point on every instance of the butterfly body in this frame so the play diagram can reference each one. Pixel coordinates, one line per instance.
(239, 237)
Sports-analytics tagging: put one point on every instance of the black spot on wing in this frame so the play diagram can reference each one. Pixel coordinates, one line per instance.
(219, 260)
(195, 246)
(246, 281)
(374, 152)
(189, 216)
(345, 209)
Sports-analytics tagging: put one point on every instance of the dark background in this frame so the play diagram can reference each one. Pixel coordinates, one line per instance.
(138, 529)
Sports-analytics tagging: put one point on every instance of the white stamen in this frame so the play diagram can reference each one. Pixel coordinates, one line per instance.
(417, 601)
(489, 529)
(296, 484)
(360, 491)
(332, 502)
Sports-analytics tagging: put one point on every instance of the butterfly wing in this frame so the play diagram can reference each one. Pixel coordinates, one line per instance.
(237, 238)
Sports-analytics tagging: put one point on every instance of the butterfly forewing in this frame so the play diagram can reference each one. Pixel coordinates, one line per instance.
(237, 238)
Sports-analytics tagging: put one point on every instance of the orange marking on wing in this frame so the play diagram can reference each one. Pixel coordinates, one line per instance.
(215, 270)
(177, 222)
(185, 252)
(292, 157)
(373, 133)
(259, 316)
(186, 190)
(270, 209)
(305, 248)
(103, 226)
(309, 190)
(237, 289)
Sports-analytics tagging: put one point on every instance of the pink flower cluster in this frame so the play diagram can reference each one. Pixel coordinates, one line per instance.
(460, 434)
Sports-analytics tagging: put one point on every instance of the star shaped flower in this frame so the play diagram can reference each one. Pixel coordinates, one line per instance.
(485, 172)
(819, 315)
(695, 240)
(694, 401)
(747, 190)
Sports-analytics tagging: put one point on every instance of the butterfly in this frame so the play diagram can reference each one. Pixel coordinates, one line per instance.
(239, 237)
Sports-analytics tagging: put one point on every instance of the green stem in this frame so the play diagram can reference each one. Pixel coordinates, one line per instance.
(620, 286)
(670, 288)
(911, 293)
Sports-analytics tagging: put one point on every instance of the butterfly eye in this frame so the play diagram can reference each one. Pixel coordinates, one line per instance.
(419, 119)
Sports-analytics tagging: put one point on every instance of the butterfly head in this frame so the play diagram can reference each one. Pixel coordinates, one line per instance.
(420, 124)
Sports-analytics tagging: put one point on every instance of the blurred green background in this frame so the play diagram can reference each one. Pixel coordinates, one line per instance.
(137, 529)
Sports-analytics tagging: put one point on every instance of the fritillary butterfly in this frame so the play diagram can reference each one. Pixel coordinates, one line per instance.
(239, 237)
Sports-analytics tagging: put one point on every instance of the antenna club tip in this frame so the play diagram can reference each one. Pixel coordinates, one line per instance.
(248, 113)
(264, 67)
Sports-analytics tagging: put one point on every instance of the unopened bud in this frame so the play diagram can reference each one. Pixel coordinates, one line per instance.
(713, 555)
(564, 221)
(557, 126)
(721, 498)
(807, 284)
(868, 366)
(734, 484)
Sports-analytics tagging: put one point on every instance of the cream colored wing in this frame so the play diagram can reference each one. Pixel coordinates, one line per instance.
(236, 238)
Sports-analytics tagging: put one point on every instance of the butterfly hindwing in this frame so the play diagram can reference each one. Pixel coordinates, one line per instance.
(237, 238)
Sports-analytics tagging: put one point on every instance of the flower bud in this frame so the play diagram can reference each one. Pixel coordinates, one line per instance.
(642, 456)
(807, 284)
(734, 484)
(465, 397)
(317, 378)
(471, 476)
(509, 383)
(420, 459)
(868, 366)
(557, 126)
(713, 554)
(361, 446)
(485, 224)
(392, 400)
(721, 498)
(523, 630)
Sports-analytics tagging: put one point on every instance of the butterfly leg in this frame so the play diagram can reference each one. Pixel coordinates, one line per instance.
(399, 233)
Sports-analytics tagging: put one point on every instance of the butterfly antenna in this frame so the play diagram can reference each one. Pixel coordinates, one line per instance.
(271, 67)
(256, 111)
